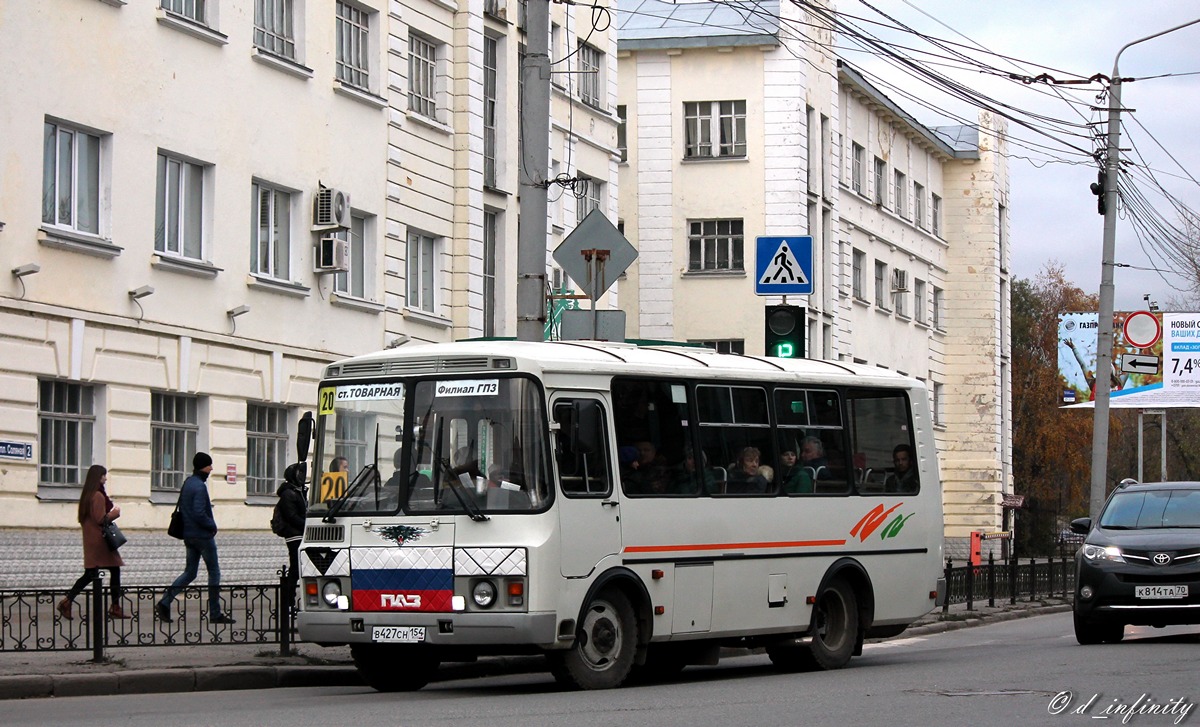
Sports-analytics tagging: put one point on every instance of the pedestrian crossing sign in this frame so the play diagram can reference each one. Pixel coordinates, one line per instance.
(784, 266)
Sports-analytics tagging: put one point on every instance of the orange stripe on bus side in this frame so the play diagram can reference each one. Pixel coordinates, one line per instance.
(732, 546)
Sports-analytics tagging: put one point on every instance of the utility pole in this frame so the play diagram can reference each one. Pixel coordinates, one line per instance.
(1104, 334)
(534, 117)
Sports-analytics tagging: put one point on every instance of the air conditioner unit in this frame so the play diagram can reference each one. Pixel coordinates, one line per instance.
(899, 281)
(331, 209)
(332, 256)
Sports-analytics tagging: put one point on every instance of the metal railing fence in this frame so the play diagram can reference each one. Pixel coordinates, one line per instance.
(1010, 580)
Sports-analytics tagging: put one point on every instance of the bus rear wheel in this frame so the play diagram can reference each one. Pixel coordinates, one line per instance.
(393, 668)
(834, 626)
(604, 648)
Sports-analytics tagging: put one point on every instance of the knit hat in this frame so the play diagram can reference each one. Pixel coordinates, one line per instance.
(200, 461)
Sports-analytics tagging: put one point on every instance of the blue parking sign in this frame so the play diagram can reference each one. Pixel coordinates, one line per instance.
(783, 266)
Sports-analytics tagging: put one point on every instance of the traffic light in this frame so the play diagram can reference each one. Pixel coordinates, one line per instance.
(785, 331)
(1097, 188)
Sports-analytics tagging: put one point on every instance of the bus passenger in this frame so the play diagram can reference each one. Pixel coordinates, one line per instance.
(793, 478)
(648, 473)
(903, 478)
(812, 455)
(744, 476)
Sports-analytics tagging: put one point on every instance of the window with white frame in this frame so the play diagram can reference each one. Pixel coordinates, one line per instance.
(589, 193)
(900, 291)
(857, 273)
(273, 27)
(919, 204)
(919, 301)
(66, 420)
(936, 215)
(880, 182)
(900, 193)
(491, 226)
(715, 245)
(858, 167)
(1002, 236)
(622, 131)
(179, 207)
(882, 285)
(555, 52)
(270, 248)
(174, 428)
(591, 75)
(728, 118)
(190, 9)
(938, 301)
(422, 272)
(936, 394)
(266, 447)
(731, 345)
(71, 178)
(491, 53)
(353, 282)
(353, 50)
(422, 76)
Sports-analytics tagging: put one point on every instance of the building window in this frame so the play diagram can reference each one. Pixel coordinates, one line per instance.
(591, 65)
(490, 229)
(880, 177)
(728, 117)
(179, 207)
(422, 76)
(66, 420)
(622, 130)
(735, 345)
(266, 448)
(715, 245)
(900, 291)
(556, 44)
(900, 194)
(881, 285)
(860, 260)
(191, 9)
(422, 271)
(271, 244)
(858, 167)
(174, 427)
(491, 52)
(936, 215)
(918, 204)
(71, 179)
(273, 27)
(919, 302)
(938, 296)
(354, 281)
(353, 45)
(1002, 236)
(936, 394)
(588, 195)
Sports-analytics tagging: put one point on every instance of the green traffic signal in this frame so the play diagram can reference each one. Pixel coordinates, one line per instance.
(784, 331)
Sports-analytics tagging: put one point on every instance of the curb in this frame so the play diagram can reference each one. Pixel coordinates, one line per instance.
(937, 627)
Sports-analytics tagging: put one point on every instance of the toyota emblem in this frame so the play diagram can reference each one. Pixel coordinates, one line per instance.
(1161, 559)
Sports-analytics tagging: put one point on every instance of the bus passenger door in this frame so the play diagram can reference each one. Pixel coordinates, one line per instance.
(588, 507)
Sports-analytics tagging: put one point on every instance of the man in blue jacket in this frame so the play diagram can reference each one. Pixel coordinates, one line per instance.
(199, 537)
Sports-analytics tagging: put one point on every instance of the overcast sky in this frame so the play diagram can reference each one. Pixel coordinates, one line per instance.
(1052, 211)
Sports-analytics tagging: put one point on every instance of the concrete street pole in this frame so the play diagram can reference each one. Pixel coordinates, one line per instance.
(535, 161)
(1104, 334)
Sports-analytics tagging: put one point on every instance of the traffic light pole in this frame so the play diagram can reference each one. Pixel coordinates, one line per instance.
(534, 115)
(1104, 334)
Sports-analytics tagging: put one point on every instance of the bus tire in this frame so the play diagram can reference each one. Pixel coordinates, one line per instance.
(834, 626)
(605, 645)
(391, 668)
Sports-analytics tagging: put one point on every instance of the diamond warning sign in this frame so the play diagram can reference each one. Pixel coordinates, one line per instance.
(784, 266)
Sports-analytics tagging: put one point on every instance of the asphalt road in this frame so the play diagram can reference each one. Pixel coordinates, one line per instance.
(1026, 671)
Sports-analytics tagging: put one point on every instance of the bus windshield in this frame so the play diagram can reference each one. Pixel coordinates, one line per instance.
(472, 446)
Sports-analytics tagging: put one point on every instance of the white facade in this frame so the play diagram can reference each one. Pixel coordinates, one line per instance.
(936, 311)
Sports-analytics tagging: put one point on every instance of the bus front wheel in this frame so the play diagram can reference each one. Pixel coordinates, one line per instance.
(604, 648)
(834, 626)
(391, 668)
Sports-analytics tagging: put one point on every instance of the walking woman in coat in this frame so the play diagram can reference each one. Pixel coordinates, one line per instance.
(95, 507)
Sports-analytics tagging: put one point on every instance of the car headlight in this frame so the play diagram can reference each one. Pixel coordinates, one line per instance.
(1103, 552)
(484, 594)
(330, 592)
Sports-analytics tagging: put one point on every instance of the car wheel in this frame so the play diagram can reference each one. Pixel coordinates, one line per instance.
(604, 648)
(1088, 633)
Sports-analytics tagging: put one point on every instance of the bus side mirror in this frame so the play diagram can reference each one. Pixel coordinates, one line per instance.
(304, 435)
(587, 436)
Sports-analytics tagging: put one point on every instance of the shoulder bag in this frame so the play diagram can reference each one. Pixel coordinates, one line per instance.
(113, 537)
(175, 529)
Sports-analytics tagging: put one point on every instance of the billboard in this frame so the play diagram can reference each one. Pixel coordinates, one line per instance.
(1155, 359)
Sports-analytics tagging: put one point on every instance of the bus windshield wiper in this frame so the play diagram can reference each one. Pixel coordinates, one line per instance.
(369, 473)
(458, 485)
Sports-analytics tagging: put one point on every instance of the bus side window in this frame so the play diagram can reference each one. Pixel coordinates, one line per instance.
(582, 451)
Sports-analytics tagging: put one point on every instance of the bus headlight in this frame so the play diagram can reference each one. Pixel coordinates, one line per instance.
(484, 594)
(330, 592)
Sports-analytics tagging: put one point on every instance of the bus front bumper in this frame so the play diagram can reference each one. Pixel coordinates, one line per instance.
(441, 629)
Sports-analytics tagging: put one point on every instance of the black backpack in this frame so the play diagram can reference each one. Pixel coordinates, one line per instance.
(277, 518)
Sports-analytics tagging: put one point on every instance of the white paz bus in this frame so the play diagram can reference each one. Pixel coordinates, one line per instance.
(624, 510)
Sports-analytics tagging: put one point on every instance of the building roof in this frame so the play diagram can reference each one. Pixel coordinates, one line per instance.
(657, 25)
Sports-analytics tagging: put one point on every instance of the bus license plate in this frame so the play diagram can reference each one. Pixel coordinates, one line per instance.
(1161, 591)
(398, 634)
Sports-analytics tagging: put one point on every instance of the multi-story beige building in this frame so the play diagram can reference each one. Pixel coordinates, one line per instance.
(740, 123)
(206, 201)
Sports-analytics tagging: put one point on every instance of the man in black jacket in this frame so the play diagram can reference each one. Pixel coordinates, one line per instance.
(293, 506)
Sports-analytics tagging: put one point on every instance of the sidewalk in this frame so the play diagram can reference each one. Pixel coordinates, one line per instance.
(158, 669)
